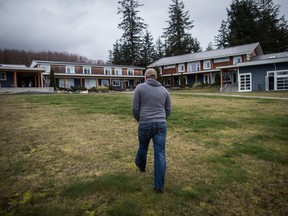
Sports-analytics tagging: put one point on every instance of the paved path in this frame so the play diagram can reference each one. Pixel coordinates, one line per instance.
(230, 95)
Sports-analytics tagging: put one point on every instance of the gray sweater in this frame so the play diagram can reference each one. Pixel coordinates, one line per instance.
(151, 102)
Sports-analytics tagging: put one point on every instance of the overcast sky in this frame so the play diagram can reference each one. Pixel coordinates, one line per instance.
(90, 27)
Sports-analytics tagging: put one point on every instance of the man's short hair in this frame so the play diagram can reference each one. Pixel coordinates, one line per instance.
(151, 73)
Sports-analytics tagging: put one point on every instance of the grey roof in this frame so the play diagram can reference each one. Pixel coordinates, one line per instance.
(35, 62)
(270, 56)
(262, 60)
(11, 67)
(205, 55)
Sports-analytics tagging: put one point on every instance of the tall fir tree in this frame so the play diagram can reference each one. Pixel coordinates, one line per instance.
(222, 39)
(177, 38)
(252, 21)
(274, 38)
(132, 25)
(159, 49)
(147, 52)
(242, 22)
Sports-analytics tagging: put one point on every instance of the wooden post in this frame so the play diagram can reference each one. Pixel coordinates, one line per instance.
(65, 82)
(221, 79)
(41, 80)
(96, 82)
(15, 79)
(196, 78)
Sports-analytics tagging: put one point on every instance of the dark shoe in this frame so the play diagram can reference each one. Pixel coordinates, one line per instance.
(141, 170)
(158, 190)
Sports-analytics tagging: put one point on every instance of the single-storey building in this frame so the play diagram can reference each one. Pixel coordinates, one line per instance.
(19, 78)
(240, 68)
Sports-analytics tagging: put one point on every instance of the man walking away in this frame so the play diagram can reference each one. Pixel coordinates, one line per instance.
(151, 106)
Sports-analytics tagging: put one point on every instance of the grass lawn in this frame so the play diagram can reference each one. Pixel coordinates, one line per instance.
(72, 154)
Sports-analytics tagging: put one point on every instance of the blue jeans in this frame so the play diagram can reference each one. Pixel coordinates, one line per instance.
(157, 132)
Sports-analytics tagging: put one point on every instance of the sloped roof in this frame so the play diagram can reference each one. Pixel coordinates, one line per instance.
(35, 62)
(12, 67)
(205, 55)
(270, 56)
(261, 60)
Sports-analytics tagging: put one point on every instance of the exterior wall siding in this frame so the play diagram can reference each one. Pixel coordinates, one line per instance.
(259, 72)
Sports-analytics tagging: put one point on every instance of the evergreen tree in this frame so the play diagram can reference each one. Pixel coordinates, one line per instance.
(274, 38)
(222, 39)
(115, 56)
(52, 79)
(147, 52)
(242, 22)
(159, 49)
(210, 47)
(252, 21)
(178, 41)
(159, 77)
(133, 26)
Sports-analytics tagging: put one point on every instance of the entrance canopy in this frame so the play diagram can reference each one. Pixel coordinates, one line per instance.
(20, 76)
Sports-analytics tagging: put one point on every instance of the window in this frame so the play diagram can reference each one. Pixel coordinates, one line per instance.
(169, 66)
(207, 64)
(67, 83)
(86, 70)
(89, 83)
(116, 83)
(195, 66)
(105, 83)
(118, 71)
(237, 59)
(70, 69)
(245, 82)
(3, 76)
(107, 71)
(130, 71)
(218, 60)
(181, 68)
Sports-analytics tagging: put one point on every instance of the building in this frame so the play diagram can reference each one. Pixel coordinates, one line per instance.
(84, 75)
(233, 68)
(19, 78)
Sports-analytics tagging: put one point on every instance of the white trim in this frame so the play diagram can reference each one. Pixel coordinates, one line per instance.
(88, 68)
(181, 67)
(70, 69)
(207, 64)
(245, 84)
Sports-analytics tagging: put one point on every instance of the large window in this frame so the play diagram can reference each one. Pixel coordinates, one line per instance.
(207, 64)
(192, 67)
(130, 71)
(277, 80)
(70, 69)
(3, 76)
(118, 71)
(107, 71)
(245, 82)
(116, 83)
(237, 59)
(89, 83)
(86, 70)
(67, 83)
(181, 68)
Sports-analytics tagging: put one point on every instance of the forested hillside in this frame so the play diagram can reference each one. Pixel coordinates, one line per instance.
(12, 56)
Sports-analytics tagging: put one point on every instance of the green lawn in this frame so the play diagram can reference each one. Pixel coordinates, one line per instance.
(72, 154)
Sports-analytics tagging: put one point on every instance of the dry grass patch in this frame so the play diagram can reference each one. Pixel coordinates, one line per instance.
(74, 155)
